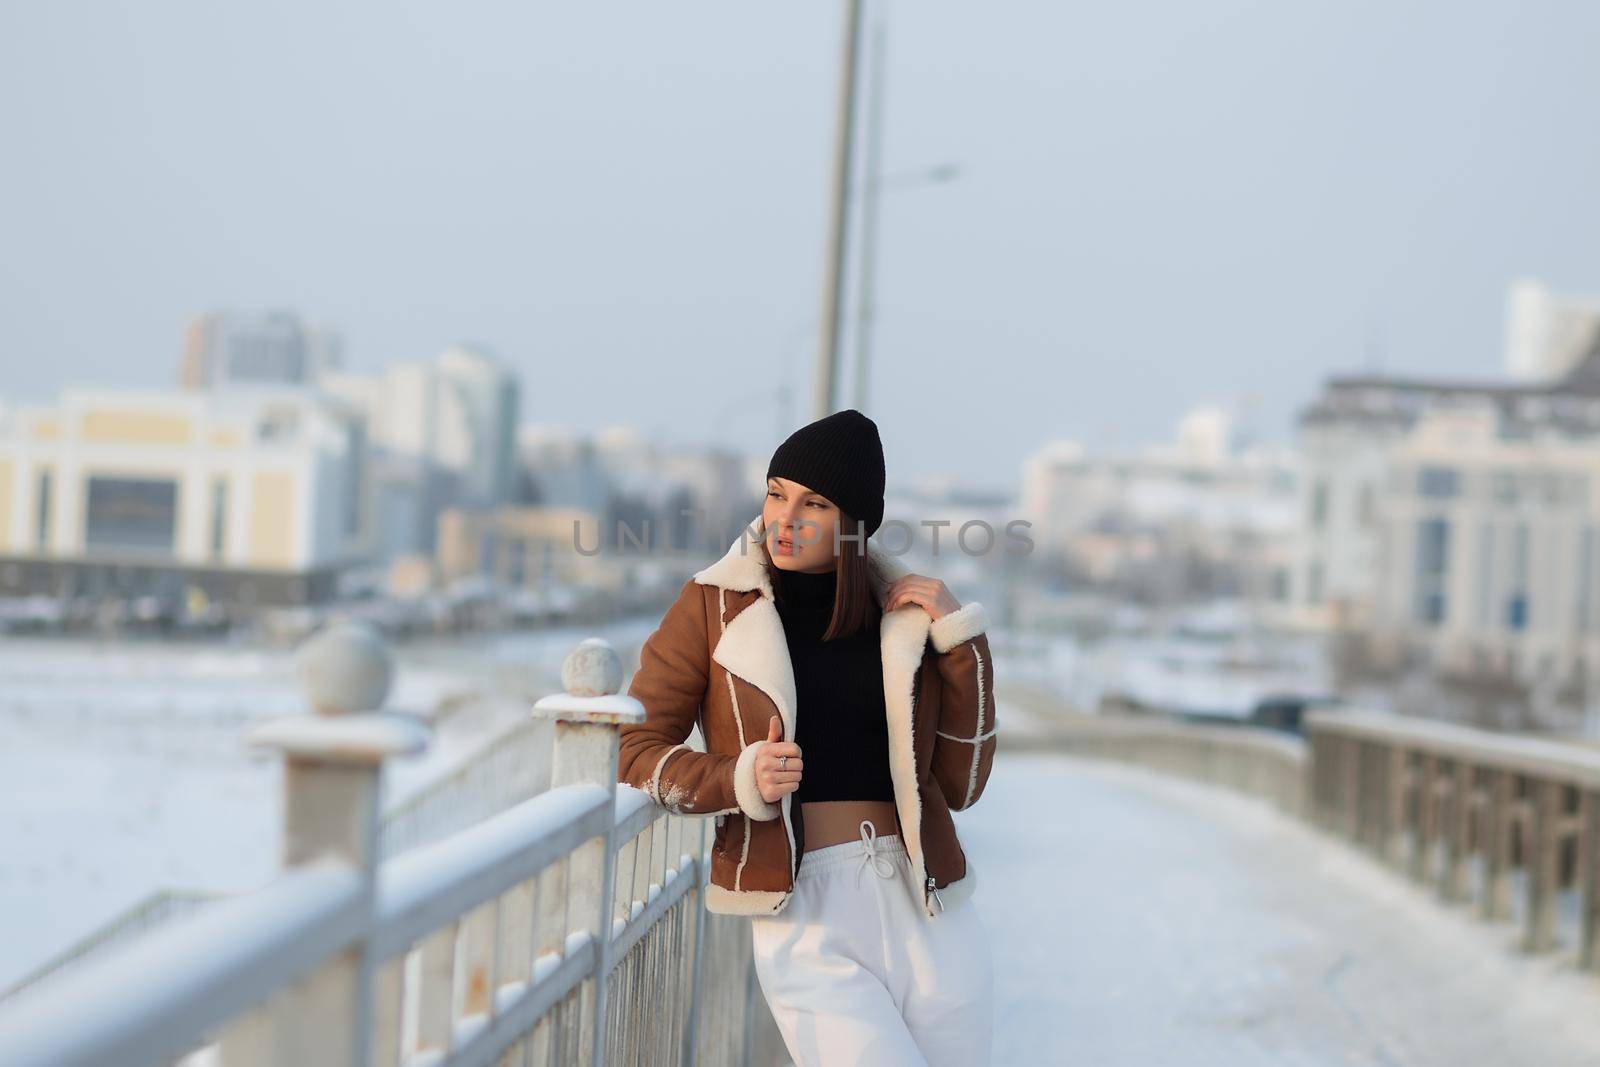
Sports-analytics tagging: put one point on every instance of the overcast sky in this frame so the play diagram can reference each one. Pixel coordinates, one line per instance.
(1161, 203)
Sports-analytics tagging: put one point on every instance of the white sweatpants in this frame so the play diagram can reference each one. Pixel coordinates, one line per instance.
(856, 973)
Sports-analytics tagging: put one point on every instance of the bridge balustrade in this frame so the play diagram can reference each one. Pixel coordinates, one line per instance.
(566, 928)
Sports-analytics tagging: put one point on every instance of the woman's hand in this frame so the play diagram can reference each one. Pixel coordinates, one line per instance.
(931, 593)
(772, 782)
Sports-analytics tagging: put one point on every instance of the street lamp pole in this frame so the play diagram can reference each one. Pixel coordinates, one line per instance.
(832, 326)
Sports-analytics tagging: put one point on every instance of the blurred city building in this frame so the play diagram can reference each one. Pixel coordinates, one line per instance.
(1491, 545)
(262, 348)
(607, 510)
(250, 496)
(523, 547)
(1353, 434)
(1452, 524)
(443, 436)
(1547, 335)
(1205, 516)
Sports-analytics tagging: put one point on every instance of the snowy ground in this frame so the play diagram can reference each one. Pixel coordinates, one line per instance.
(127, 771)
(1148, 920)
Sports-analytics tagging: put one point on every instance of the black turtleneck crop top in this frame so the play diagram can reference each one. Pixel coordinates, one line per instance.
(840, 725)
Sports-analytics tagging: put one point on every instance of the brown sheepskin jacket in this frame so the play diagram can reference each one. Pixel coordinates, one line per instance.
(719, 658)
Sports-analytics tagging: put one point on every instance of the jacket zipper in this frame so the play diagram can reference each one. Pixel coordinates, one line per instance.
(797, 849)
(931, 890)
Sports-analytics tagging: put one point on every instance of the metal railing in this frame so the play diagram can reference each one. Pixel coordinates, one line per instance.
(511, 766)
(567, 928)
(1435, 800)
(155, 910)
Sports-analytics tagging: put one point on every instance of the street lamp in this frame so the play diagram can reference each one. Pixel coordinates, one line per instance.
(866, 308)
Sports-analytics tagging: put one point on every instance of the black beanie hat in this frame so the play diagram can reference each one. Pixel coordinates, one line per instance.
(841, 457)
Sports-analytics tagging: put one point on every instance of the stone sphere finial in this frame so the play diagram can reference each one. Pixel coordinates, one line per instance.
(346, 668)
(593, 669)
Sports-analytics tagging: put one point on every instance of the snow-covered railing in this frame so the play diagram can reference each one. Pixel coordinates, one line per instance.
(565, 929)
(1435, 799)
(160, 907)
(510, 768)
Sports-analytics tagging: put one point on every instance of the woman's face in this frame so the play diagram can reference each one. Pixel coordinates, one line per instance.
(799, 526)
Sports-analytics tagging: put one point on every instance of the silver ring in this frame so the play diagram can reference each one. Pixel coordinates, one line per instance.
(781, 761)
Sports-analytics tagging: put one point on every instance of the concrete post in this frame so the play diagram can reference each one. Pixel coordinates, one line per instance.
(587, 718)
(1495, 899)
(1397, 792)
(1539, 908)
(1453, 886)
(333, 759)
(1589, 879)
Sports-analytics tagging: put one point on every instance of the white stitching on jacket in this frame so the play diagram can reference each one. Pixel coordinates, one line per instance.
(968, 740)
(977, 750)
(738, 721)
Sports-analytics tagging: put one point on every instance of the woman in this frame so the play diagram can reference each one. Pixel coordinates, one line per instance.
(820, 669)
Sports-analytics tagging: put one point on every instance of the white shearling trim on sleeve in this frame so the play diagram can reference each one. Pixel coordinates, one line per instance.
(744, 785)
(965, 622)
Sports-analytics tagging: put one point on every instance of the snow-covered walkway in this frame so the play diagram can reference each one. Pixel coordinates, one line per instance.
(1143, 920)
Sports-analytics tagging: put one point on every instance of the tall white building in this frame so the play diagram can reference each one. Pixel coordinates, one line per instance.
(1547, 335)
(444, 435)
(484, 445)
(1345, 440)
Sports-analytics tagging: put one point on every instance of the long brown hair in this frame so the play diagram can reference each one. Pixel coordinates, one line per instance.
(854, 605)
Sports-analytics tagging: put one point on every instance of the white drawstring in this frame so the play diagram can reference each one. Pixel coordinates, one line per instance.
(871, 855)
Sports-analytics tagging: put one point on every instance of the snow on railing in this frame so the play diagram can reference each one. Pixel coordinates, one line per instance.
(511, 766)
(567, 928)
(160, 907)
